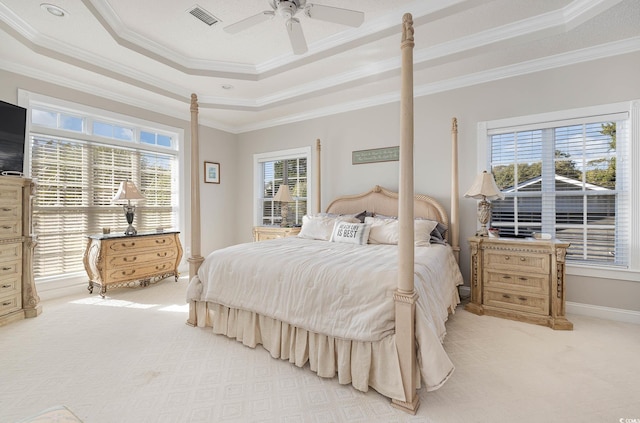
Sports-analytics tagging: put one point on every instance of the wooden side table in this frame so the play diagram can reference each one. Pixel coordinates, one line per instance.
(263, 233)
(520, 279)
(128, 260)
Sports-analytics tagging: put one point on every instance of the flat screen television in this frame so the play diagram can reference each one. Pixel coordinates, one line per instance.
(13, 123)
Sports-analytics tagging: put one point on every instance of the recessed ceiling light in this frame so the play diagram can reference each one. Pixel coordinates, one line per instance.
(227, 87)
(53, 9)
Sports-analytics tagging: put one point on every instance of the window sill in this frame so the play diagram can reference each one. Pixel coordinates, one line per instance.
(603, 272)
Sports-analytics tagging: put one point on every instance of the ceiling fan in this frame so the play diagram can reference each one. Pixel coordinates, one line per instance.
(288, 9)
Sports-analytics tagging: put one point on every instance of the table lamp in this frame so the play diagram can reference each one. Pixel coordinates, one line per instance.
(284, 197)
(128, 191)
(484, 188)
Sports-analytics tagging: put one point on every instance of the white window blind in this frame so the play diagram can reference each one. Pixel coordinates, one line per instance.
(77, 157)
(291, 172)
(567, 181)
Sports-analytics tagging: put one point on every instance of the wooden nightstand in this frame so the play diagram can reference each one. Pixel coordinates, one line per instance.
(520, 279)
(263, 233)
(117, 260)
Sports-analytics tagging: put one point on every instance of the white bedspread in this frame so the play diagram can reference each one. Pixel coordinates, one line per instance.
(336, 289)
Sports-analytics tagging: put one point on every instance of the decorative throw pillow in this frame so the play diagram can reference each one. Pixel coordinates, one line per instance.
(386, 231)
(350, 233)
(321, 226)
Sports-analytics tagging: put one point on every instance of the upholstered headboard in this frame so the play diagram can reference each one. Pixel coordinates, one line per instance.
(383, 201)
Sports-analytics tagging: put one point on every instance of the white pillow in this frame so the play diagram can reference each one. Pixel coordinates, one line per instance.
(350, 233)
(321, 226)
(385, 231)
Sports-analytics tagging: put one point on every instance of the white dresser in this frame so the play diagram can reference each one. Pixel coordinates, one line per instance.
(18, 296)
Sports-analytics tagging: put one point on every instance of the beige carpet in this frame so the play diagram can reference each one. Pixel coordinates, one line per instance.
(131, 358)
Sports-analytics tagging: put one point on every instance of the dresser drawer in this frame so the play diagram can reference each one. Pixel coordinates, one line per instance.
(528, 303)
(10, 268)
(499, 260)
(136, 259)
(10, 195)
(10, 252)
(10, 285)
(10, 212)
(140, 243)
(10, 303)
(520, 282)
(141, 272)
(10, 228)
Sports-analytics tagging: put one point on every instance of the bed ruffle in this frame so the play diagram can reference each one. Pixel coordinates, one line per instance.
(361, 364)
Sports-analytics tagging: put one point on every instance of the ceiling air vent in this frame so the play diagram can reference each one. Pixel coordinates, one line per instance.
(203, 15)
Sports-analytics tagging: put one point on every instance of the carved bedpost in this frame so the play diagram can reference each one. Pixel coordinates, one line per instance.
(405, 296)
(196, 259)
(454, 229)
(318, 184)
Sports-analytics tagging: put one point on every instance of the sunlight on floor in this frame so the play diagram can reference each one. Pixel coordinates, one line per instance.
(109, 302)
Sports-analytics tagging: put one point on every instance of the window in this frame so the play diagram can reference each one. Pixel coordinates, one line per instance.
(566, 178)
(290, 168)
(78, 160)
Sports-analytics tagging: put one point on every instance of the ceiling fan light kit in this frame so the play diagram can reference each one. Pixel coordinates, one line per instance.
(287, 9)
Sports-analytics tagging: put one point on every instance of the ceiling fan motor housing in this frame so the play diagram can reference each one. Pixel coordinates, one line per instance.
(288, 8)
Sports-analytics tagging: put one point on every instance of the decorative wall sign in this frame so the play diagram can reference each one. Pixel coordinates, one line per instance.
(386, 154)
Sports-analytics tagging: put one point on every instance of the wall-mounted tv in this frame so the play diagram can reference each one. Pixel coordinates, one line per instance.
(13, 123)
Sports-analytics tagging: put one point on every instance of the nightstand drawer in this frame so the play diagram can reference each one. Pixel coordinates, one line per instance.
(535, 263)
(520, 282)
(528, 303)
(10, 195)
(10, 252)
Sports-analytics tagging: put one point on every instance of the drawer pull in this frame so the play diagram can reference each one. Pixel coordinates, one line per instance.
(523, 258)
(162, 254)
(507, 257)
(6, 268)
(506, 277)
(132, 259)
(161, 267)
(6, 227)
(522, 279)
(125, 273)
(5, 209)
(6, 303)
(131, 244)
(161, 241)
(506, 296)
(6, 286)
(522, 298)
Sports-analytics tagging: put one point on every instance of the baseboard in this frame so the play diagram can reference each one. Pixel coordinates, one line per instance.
(608, 313)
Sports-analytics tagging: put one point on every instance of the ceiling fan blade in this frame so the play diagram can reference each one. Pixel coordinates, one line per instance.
(296, 36)
(335, 14)
(250, 21)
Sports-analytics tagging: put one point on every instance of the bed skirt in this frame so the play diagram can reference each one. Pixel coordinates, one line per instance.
(362, 364)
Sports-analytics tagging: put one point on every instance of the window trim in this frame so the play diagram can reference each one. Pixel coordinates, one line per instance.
(293, 153)
(28, 99)
(629, 110)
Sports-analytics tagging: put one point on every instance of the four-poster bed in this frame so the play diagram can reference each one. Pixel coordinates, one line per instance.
(345, 326)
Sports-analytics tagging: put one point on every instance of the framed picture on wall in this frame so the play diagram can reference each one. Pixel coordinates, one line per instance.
(212, 172)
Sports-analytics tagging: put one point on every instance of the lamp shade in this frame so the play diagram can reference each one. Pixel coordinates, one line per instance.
(484, 187)
(127, 191)
(283, 195)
